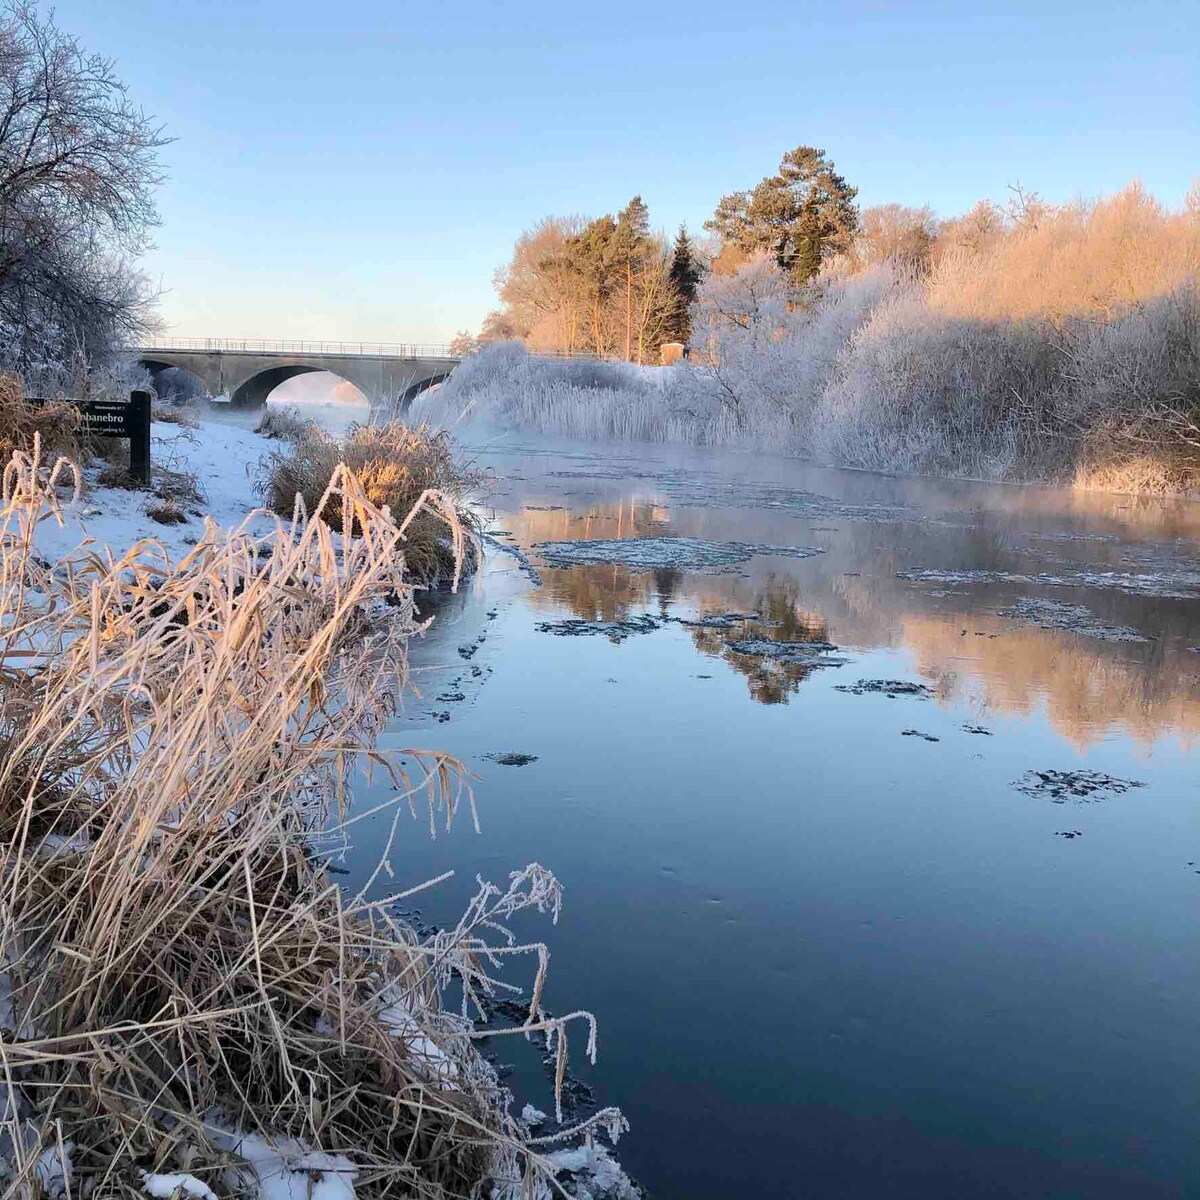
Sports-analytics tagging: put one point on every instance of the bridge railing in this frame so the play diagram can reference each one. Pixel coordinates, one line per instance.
(284, 346)
(168, 345)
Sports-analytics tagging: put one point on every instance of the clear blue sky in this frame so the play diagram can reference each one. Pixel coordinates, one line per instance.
(358, 171)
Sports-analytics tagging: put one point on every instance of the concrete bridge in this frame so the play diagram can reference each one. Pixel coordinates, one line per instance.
(389, 376)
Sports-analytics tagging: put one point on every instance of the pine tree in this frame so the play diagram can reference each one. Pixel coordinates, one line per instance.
(802, 216)
(685, 277)
(631, 241)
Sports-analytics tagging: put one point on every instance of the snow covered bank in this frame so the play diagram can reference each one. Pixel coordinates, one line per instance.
(222, 456)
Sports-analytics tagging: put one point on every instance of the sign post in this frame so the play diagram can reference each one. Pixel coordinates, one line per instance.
(120, 418)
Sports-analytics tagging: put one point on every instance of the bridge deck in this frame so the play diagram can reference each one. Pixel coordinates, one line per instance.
(280, 348)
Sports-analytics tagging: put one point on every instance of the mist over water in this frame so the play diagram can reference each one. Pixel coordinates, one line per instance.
(840, 941)
(324, 398)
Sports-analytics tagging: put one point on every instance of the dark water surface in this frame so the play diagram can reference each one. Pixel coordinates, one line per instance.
(828, 959)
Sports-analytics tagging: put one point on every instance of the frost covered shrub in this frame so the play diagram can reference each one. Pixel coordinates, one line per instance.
(1131, 390)
(55, 423)
(283, 424)
(758, 366)
(916, 391)
(506, 388)
(767, 356)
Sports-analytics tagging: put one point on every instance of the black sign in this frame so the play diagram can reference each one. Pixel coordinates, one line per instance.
(110, 418)
(120, 418)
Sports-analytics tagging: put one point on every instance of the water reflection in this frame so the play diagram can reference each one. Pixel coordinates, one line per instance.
(781, 618)
(903, 935)
(956, 638)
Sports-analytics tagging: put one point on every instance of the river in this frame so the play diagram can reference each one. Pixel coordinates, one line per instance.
(844, 936)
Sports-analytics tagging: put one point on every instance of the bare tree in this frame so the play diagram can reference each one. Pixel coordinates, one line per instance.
(895, 231)
(78, 170)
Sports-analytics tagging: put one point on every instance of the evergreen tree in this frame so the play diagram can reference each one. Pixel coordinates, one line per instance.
(802, 216)
(685, 277)
(592, 257)
(630, 246)
(603, 285)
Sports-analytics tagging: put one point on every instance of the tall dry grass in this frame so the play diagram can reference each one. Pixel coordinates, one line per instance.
(180, 974)
(395, 464)
(56, 424)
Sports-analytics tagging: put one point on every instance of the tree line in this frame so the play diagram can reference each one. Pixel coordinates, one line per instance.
(611, 286)
(614, 288)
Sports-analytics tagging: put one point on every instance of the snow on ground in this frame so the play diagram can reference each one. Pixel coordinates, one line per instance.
(286, 1168)
(222, 454)
(166, 1185)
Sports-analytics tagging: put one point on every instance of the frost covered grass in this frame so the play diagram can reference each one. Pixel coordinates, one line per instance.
(395, 465)
(506, 388)
(56, 424)
(283, 423)
(1064, 346)
(189, 1004)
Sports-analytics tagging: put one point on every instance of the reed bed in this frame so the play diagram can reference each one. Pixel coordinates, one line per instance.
(187, 1000)
(394, 465)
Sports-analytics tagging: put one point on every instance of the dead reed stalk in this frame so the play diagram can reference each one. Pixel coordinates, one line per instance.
(395, 465)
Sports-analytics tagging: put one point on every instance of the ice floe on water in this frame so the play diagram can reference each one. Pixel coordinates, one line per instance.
(806, 654)
(615, 631)
(1056, 614)
(1172, 584)
(1077, 786)
(885, 687)
(652, 553)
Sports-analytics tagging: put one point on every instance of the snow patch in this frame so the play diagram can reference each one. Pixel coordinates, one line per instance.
(165, 1185)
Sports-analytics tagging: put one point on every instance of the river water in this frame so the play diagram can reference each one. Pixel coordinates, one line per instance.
(843, 938)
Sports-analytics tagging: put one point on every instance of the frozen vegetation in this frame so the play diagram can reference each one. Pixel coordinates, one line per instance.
(189, 1005)
(1064, 345)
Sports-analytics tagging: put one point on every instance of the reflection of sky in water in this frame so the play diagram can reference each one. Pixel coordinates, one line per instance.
(829, 959)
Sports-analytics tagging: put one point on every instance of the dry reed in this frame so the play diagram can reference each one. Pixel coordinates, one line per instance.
(394, 464)
(55, 423)
(180, 973)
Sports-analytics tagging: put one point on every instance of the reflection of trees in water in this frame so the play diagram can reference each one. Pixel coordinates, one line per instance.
(602, 592)
(598, 592)
(1088, 687)
(600, 521)
(781, 619)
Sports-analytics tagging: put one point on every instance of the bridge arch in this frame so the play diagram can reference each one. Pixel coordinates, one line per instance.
(158, 369)
(254, 392)
(410, 393)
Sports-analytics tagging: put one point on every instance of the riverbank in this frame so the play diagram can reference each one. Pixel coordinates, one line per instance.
(191, 1004)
